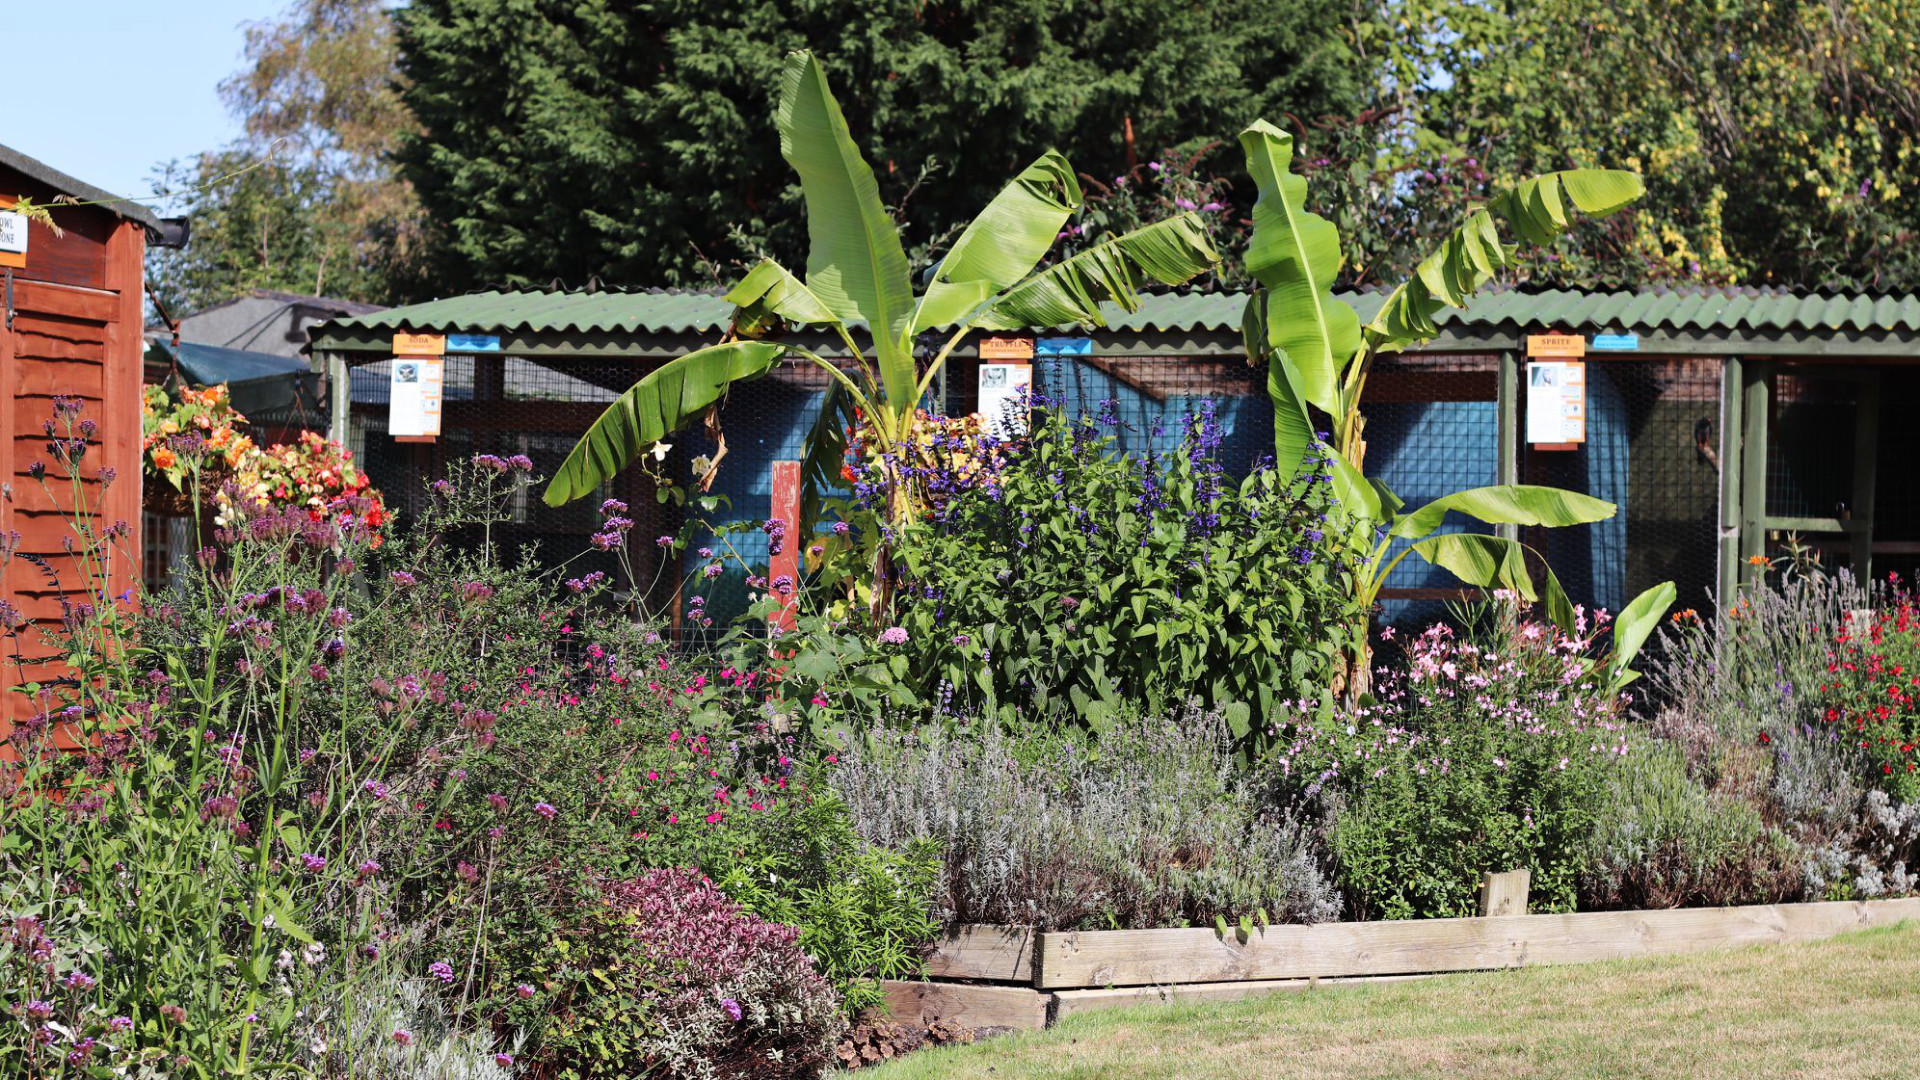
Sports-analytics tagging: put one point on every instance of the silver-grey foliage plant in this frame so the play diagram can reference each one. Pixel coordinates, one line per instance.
(1146, 823)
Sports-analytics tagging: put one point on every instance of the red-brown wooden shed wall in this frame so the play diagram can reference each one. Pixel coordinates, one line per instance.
(76, 331)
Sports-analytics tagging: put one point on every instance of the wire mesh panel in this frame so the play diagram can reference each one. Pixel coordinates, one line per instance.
(1896, 506)
(1810, 446)
(1433, 428)
(1652, 450)
(1153, 397)
(513, 405)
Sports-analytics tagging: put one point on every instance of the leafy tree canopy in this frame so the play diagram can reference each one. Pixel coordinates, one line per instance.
(308, 200)
(1778, 137)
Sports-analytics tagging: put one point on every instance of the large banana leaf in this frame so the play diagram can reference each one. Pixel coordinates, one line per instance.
(1472, 254)
(1493, 562)
(1537, 208)
(855, 266)
(1171, 252)
(826, 450)
(1631, 629)
(1292, 425)
(770, 287)
(669, 398)
(1508, 504)
(1295, 255)
(1004, 243)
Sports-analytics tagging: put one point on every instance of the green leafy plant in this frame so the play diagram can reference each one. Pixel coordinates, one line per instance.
(1318, 356)
(1488, 752)
(1085, 577)
(858, 282)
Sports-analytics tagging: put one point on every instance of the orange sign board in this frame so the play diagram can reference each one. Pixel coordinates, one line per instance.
(419, 344)
(1006, 348)
(1556, 345)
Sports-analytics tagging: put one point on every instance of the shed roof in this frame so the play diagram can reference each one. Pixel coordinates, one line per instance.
(1708, 320)
(79, 189)
(210, 365)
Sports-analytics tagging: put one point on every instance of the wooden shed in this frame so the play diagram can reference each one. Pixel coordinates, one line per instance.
(73, 320)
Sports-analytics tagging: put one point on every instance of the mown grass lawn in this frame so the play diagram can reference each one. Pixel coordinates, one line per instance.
(1848, 1008)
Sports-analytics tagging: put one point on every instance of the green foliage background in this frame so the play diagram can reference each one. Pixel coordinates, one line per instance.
(441, 145)
(629, 140)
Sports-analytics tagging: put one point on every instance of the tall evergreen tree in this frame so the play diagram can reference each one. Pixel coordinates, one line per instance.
(629, 140)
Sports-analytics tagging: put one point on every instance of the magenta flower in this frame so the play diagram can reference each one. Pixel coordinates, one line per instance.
(313, 863)
(545, 810)
(894, 635)
(503, 1060)
(403, 1037)
(441, 970)
(525, 990)
(732, 1008)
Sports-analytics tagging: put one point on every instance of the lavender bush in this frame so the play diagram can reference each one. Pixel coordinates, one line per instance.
(1741, 695)
(1145, 822)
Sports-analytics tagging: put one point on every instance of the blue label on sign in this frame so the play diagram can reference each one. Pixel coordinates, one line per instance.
(1616, 342)
(473, 343)
(1063, 346)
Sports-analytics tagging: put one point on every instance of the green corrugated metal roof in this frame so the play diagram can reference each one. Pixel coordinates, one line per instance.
(674, 313)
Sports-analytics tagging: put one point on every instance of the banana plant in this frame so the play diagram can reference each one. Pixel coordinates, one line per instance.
(1318, 354)
(858, 286)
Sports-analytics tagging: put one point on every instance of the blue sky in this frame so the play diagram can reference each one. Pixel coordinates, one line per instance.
(118, 86)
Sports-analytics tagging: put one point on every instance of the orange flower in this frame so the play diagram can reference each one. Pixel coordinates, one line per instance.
(164, 458)
(1758, 560)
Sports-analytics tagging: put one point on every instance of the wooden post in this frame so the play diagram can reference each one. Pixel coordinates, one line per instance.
(1756, 408)
(339, 397)
(1507, 397)
(786, 562)
(1866, 460)
(1504, 894)
(1732, 393)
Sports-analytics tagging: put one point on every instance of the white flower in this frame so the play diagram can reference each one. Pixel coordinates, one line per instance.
(701, 464)
(660, 450)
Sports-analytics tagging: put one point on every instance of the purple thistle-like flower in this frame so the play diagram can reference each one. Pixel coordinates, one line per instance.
(731, 1008)
(441, 970)
(545, 810)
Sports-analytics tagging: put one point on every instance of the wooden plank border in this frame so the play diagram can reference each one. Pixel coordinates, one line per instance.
(984, 951)
(1119, 958)
(1073, 1002)
(968, 1004)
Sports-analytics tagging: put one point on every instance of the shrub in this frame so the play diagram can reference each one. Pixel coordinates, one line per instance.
(348, 772)
(1663, 840)
(1146, 822)
(1080, 577)
(388, 1028)
(1879, 855)
(1489, 753)
(1872, 694)
(1755, 666)
(664, 976)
